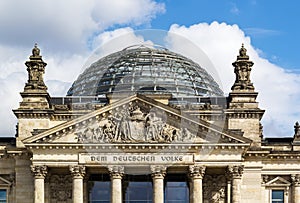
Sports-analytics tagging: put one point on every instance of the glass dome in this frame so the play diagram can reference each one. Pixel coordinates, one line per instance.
(146, 70)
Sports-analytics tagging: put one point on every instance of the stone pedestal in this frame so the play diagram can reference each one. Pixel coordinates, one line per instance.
(116, 173)
(77, 173)
(235, 173)
(296, 188)
(158, 174)
(196, 174)
(39, 173)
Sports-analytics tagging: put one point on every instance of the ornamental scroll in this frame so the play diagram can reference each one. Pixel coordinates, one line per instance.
(130, 124)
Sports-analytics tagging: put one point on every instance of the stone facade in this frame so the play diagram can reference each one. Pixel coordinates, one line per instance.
(218, 148)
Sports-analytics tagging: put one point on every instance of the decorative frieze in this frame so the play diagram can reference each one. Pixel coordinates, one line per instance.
(39, 171)
(77, 171)
(60, 188)
(214, 189)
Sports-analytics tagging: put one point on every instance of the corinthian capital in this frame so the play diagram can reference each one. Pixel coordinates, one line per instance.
(235, 171)
(158, 171)
(295, 178)
(77, 171)
(116, 171)
(197, 171)
(39, 171)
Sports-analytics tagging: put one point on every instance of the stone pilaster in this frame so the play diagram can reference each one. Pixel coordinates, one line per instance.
(196, 174)
(296, 188)
(39, 173)
(116, 174)
(235, 173)
(158, 174)
(78, 173)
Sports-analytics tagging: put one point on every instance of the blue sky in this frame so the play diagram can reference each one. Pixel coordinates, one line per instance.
(272, 25)
(68, 32)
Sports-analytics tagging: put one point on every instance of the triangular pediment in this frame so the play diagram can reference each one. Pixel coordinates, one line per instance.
(4, 182)
(136, 119)
(278, 181)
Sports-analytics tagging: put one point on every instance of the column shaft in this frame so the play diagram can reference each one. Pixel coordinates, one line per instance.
(228, 191)
(197, 195)
(39, 183)
(158, 174)
(158, 190)
(78, 173)
(116, 190)
(296, 188)
(236, 190)
(235, 174)
(196, 176)
(296, 195)
(39, 196)
(116, 173)
(77, 192)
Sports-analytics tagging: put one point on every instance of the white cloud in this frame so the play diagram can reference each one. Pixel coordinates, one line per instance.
(63, 30)
(67, 25)
(278, 89)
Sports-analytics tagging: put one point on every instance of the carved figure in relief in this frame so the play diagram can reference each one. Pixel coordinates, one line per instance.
(130, 124)
(154, 126)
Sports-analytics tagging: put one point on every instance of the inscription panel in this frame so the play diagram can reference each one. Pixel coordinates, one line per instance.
(135, 158)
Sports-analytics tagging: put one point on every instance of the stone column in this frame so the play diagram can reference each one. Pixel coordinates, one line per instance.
(158, 174)
(116, 173)
(77, 173)
(196, 174)
(39, 173)
(296, 188)
(228, 191)
(236, 172)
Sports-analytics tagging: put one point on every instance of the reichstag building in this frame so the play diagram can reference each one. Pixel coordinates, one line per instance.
(144, 125)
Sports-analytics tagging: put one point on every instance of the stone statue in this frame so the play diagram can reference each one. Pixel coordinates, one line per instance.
(243, 52)
(242, 70)
(297, 129)
(36, 70)
(35, 51)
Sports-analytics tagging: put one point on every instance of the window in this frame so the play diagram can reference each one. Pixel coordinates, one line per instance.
(176, 189)
(137, 189)
(277, 196)
(3, 194)
(99, 189)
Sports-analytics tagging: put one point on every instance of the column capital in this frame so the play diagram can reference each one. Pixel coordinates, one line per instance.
(77, 171)
(39, 171)
(158, 171)
(116, 171)
(295, 178)
(197, 171)
(235, 171)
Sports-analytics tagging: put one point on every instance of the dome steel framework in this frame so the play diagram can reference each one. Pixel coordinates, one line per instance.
(144, 69)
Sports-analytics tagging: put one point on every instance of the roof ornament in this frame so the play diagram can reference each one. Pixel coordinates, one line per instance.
(35, 51)
(243, 53)
(242, 70)
(36, 70)
(297, 129)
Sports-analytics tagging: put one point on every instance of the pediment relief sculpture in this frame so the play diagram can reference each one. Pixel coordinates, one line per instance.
(130, 124)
